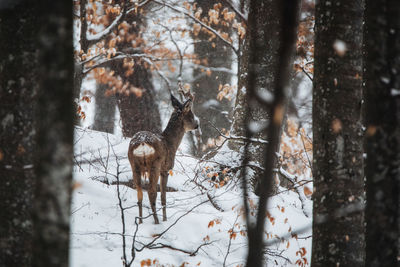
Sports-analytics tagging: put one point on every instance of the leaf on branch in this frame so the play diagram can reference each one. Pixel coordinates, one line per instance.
(307, 191)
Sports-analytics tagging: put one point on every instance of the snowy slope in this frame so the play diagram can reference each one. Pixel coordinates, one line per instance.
(213, 232)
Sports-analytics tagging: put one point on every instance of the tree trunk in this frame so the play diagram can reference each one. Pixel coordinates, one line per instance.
(54, 134)
(382, 171)
(267, 49)
(18, 88)
(137, 112)
(104, 116)
(211, 112)
(338, 221)
(35, 147)
(287, 11)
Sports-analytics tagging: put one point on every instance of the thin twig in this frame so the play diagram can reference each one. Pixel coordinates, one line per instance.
(230, 240)
(226, 42)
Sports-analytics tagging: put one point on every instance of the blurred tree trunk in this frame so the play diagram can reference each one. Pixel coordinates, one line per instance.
(36, 137)
(211, 112)
(267, 47)
(54, 138)
(382, 96)
(338, 223)
(104, 116)
(18, 89)
(287, 11)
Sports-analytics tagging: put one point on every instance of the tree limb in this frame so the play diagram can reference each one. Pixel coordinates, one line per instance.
(226, 42)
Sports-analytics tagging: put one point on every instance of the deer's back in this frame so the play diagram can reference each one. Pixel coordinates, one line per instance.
(146, 149)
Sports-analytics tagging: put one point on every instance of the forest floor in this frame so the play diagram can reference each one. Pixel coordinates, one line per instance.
(205, 224)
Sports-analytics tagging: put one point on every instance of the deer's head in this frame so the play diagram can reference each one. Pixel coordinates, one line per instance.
(185, 114)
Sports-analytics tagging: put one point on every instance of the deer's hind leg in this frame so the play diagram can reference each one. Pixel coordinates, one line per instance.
(154, 176)
(163, 189)
(137, 179)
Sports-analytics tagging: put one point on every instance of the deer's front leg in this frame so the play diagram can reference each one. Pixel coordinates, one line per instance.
(154, 176)
(163, 187)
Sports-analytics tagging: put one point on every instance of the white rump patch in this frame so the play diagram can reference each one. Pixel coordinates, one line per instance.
(143, 150)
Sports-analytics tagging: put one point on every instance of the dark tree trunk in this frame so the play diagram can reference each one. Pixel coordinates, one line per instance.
(211, 112)
(338, 235)
(266, 45)
(18, 88)
(54, 134)
(137, 112)
(104, 116)
(287, 11)
(36, 67)
(382, 96)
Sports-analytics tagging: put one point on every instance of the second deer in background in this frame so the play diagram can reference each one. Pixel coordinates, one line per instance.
(152, 155)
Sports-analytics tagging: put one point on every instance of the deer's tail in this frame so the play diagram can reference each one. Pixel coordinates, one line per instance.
(143, 150)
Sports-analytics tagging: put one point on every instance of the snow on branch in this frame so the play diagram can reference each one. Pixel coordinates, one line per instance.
(91, 39)
(242, 16)
(201, 23)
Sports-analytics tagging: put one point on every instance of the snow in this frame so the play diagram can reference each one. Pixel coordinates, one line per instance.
(395, 92)
(340, 47)
(193, 221)
(265, 95)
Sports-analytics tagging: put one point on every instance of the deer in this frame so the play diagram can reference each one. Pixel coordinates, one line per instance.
(152, 155)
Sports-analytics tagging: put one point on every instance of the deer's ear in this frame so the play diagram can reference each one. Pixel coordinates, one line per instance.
(175, 103)
(187, 106)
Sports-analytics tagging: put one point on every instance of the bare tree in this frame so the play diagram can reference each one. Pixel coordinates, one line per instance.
(382, 76)
(337, 134)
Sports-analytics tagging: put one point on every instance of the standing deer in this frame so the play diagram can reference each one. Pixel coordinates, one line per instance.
(154, 154)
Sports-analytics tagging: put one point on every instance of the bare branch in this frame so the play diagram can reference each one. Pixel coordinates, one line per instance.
(307, 74)
(230, 240)
(169, 227)
(190, 253)
(226, 42)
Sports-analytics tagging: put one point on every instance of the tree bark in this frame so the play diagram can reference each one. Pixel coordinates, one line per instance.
(266, 45)
(382, 76)
(36, 137)
(18, 89)
(54, 134)
(338, 234)
(104, 116)
(138, 113)
(287, 11)
(211, 112)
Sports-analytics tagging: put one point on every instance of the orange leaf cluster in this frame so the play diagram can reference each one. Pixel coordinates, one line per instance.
(226, 91)
(212, 222)
(296, 150)
(302, 261)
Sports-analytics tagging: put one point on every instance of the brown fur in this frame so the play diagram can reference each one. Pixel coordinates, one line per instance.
(159, 163)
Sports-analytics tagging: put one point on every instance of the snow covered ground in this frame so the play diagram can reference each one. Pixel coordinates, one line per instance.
(198, 232)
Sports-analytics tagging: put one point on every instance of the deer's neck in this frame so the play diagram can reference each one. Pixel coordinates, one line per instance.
(174, 132)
